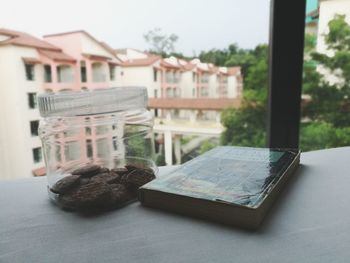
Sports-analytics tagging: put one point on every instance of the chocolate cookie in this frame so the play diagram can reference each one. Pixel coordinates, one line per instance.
(88, 170)
(104, 170)
(139, 177)
(65, 184)
(110, 178)
(93, 195)
(120, 194)
(121, 170)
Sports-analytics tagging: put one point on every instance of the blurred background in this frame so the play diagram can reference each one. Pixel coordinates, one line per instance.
(204, 64)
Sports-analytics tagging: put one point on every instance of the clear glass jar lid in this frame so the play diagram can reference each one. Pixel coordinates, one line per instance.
(98, 101)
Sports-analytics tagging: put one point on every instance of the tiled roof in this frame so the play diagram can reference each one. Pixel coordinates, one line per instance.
(194, 104)
(168, 65)
(58, 56)
(39, 171)
(31, 60)
(96, 57)
(189, 66)
(233, 71)
(140, 62)
(23, 39)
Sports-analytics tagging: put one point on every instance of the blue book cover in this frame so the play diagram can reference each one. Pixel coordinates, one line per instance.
(241, 176)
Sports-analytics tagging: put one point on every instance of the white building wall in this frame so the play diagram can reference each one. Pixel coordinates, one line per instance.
(213, 86)
(328, 9)
(232, 87)
(16, 142)
(187, 85)
(89, 46)
(141, 76)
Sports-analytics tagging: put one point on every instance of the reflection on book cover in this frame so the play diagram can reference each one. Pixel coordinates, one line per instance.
(240, 176)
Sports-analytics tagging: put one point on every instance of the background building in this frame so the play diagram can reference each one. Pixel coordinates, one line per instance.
(28, 65)
(185, 96)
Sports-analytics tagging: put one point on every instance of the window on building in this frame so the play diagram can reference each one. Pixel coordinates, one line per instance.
(156, 93)
(34, 125)
(89, 149)
(32, 101)
(193, 77)
(58, 153)
(47, 73)
(102, 129)
(154, 75)
(115, 143)
(30, 71)
(88, 131)
(169, 92)
(103, 149)
(98, 72)
(82, 71)
(72, 150)
(65, 74)
(111, 71)
(193, 92)
(37, 155)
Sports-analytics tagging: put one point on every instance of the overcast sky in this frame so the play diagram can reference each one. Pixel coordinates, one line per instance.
(200, 24)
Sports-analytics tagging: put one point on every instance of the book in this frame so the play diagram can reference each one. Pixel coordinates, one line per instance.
(230, 185)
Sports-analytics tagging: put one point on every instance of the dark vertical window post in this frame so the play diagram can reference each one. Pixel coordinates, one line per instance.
(287, 25)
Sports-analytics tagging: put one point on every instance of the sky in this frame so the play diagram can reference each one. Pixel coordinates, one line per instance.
(200, 25)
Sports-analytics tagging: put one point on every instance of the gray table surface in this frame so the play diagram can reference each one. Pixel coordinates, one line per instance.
(309, 223)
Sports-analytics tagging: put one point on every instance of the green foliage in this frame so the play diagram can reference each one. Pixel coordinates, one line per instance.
(320, 135)
(330, 99)
(231, 56)
(246, 126)
(326, 117)
(206, 146)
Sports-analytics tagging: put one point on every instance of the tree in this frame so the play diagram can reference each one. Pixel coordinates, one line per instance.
(330, 98)
(328, 111)
(246, 126)
(231, 56)
(161, 43)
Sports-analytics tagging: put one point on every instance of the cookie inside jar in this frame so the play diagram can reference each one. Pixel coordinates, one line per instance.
(94, 187)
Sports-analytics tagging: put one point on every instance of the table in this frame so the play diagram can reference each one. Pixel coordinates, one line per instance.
(309, 223)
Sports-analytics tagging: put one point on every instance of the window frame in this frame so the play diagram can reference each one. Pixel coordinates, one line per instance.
(32, 100)
(33, 132)
(30, 74)
(286, 51)
(40, 155)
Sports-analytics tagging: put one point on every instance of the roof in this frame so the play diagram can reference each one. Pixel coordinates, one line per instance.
(189, 66)
(39, 171)
(96, 57)
(23, 39)
(30, 60)
(57, 56)
(102, 44)
(233, 71)
(107, 47)
(194, 104)
(121, 51)
(165, 64)
(141, 61)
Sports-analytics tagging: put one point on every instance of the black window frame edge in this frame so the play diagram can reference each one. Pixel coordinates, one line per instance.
(286, 49)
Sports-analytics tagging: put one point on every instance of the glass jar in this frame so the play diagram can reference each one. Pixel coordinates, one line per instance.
(98, 146)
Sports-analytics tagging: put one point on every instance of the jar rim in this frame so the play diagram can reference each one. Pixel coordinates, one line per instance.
(97, 101)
